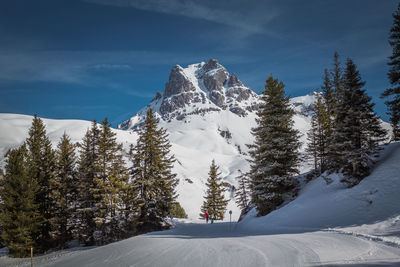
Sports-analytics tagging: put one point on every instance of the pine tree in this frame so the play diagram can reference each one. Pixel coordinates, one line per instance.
(328, 91)
(152, 176)
(65, 192)
(214, 201)
(319, 135)
(337, 86)
(242, 194)
(110, 182)
(393, 93)
(337, 82)
(357, 130)
(274, 154)
(178, 211)
(87, 172)
(42, 167)
(20, 217)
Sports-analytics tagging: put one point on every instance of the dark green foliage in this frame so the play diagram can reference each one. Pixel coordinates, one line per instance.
(393, 93)
(214, 201)
(65, 192)
(242, 194)
(42, 168)
(274, 155)
(152, 176)
(318, 136)
(337, 82)
(328, 91)
(357, 129)
(177, 211)
(88, 170)
(20, 217)
(110, 182)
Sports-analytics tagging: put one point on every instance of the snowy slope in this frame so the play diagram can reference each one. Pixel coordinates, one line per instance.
(320, 205)
(295, 235)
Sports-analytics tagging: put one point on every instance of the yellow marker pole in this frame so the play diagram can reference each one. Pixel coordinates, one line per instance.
(31, 256)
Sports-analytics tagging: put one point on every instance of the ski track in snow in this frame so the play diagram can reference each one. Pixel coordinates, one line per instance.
(216, 245)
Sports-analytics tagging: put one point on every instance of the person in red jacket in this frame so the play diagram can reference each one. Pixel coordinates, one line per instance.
(206, 216)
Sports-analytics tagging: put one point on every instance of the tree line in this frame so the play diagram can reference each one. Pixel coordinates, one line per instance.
(52, 196)
(344, 136)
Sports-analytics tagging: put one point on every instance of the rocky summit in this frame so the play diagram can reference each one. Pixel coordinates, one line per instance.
(198, 89)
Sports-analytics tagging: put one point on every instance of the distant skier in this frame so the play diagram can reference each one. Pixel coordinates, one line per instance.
(206, 216)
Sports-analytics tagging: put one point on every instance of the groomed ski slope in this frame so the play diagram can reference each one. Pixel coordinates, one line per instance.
(325, 225)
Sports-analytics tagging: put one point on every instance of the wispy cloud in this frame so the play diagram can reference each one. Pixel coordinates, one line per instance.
(105, 66)
(250, 16)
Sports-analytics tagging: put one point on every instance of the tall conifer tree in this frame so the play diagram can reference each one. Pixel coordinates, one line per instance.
(214, 200)
(20, 217)
(152, 176)
(357, 130)
(87, 172)
(318, 135)
(242, 193)
(110, 185)
(65, 192)
(42, 167)
(274, 155)
(393, 93)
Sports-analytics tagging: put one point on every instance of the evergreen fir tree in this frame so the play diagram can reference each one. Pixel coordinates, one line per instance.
(177, 211)
(242, 194)
(20, 217)
(337, 85)
(65, 192)
(393, 93)
(275, 155)
(357, 129)
(319, 135)
(87, 172)
(110, 182)
(328, 91)
(42, 167)
(337, 82)
(214, 201)
(152, 176)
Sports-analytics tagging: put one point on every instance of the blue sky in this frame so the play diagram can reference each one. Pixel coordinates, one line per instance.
(96, 58)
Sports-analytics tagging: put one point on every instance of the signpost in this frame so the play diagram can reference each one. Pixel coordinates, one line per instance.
(230, 219)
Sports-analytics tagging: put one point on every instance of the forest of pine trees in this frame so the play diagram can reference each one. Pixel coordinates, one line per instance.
(52, 196)
(344, 136)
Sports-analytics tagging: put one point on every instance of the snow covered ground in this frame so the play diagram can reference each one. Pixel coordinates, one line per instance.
(327, 225)
(216, 245)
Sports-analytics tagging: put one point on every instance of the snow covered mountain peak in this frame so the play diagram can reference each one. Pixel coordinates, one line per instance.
(198, 89)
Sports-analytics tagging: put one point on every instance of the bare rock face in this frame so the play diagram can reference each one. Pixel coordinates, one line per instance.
(177, 83)
(217, 98)
(176, 102)
(238, 111)
(214, 76)
(211, 64)
(234, 81)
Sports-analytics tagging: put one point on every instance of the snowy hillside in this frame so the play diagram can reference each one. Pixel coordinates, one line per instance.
(327, 225)
(208, 114)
